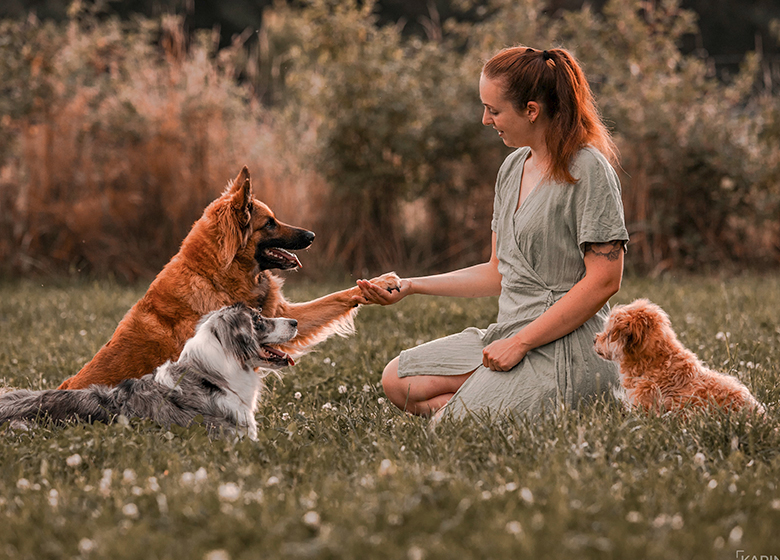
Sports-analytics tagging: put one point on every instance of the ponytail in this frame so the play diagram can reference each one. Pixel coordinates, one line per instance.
(554, 79)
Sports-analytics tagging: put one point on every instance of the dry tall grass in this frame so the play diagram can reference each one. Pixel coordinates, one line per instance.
(132, 131)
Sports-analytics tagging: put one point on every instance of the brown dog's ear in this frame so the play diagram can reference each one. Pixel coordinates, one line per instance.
(241, 178)
(238, 217)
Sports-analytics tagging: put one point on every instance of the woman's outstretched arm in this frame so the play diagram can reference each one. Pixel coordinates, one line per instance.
(480, 280)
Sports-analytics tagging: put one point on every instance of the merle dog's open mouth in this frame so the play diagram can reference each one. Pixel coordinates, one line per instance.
(275, 356)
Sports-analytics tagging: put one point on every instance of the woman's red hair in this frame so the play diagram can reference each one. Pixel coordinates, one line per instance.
(555, 80)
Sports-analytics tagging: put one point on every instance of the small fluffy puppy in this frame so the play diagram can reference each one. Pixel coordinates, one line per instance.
(214, 377)
(656, 371)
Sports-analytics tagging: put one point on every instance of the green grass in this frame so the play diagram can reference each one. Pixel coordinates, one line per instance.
(339, 473)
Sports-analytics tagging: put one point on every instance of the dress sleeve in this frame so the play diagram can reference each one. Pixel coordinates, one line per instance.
(496, 208)
(598, 202)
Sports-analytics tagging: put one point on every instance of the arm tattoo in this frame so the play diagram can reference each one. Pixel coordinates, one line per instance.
(611, 250)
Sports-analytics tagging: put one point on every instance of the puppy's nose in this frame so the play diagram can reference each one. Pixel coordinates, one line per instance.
(294, 323)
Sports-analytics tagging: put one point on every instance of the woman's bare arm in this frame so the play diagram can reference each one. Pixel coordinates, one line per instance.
(603, 274)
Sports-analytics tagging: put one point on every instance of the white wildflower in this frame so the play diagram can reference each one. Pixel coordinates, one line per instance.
(201, 475)
(699, 459)
(297, 395)
(130, 510)
(415, 553)
(53, 497)
(312, 519)
(104, 486)
(735, 536)
(272, 481)
(342, 389)
(128, 475)
(162, 503)
(74, 460)
(87, 545)
(633, 517)
(514, 528)
(386, 468)
(527, 495)
(229, 492)
(23, 484)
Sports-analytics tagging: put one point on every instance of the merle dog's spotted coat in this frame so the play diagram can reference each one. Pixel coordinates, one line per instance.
(214, 377)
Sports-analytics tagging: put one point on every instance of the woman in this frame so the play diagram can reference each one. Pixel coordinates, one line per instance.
(557, 255)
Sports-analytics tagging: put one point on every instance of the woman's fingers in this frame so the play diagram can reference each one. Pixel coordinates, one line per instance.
(375, 294)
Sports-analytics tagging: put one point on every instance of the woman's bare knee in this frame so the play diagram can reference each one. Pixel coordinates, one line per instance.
(390, 377)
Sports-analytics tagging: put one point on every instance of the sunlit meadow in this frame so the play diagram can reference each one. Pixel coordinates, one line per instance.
(339, 473)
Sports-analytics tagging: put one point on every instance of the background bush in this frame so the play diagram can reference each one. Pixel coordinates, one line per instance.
(115, 134)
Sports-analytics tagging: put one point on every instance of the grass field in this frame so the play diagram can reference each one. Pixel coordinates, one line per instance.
(339, 473)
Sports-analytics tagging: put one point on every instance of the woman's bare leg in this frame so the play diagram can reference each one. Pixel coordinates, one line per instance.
(420, 394)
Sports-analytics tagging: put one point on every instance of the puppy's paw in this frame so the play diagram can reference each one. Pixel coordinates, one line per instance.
(389, 281)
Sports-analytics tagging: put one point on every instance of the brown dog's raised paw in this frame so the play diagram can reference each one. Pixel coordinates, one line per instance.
(389, 281)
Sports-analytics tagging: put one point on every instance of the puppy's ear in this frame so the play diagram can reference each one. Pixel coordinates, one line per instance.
(638, 327)
(238, 217)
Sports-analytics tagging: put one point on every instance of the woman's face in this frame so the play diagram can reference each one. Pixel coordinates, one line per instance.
(513, 127)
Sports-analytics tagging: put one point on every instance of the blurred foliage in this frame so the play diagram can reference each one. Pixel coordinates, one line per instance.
(393, 120)
(114, 134)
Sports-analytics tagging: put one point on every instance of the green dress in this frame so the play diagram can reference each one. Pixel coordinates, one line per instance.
(540, 252)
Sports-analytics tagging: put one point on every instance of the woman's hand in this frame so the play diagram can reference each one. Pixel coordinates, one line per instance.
(385, 290)
(503, 355)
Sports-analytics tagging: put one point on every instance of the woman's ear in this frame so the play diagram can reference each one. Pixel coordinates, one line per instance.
(532, 110)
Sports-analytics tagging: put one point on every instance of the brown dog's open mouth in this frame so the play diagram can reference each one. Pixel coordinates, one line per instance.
(275, 356)
(281, 258)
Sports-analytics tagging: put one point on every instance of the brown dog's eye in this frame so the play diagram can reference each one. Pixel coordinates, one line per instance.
(270, 224)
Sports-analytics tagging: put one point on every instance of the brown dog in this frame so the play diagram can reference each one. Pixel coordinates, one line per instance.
(223, 260)
(656, 371)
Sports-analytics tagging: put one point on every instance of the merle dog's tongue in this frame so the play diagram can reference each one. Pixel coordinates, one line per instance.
(272, 350)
